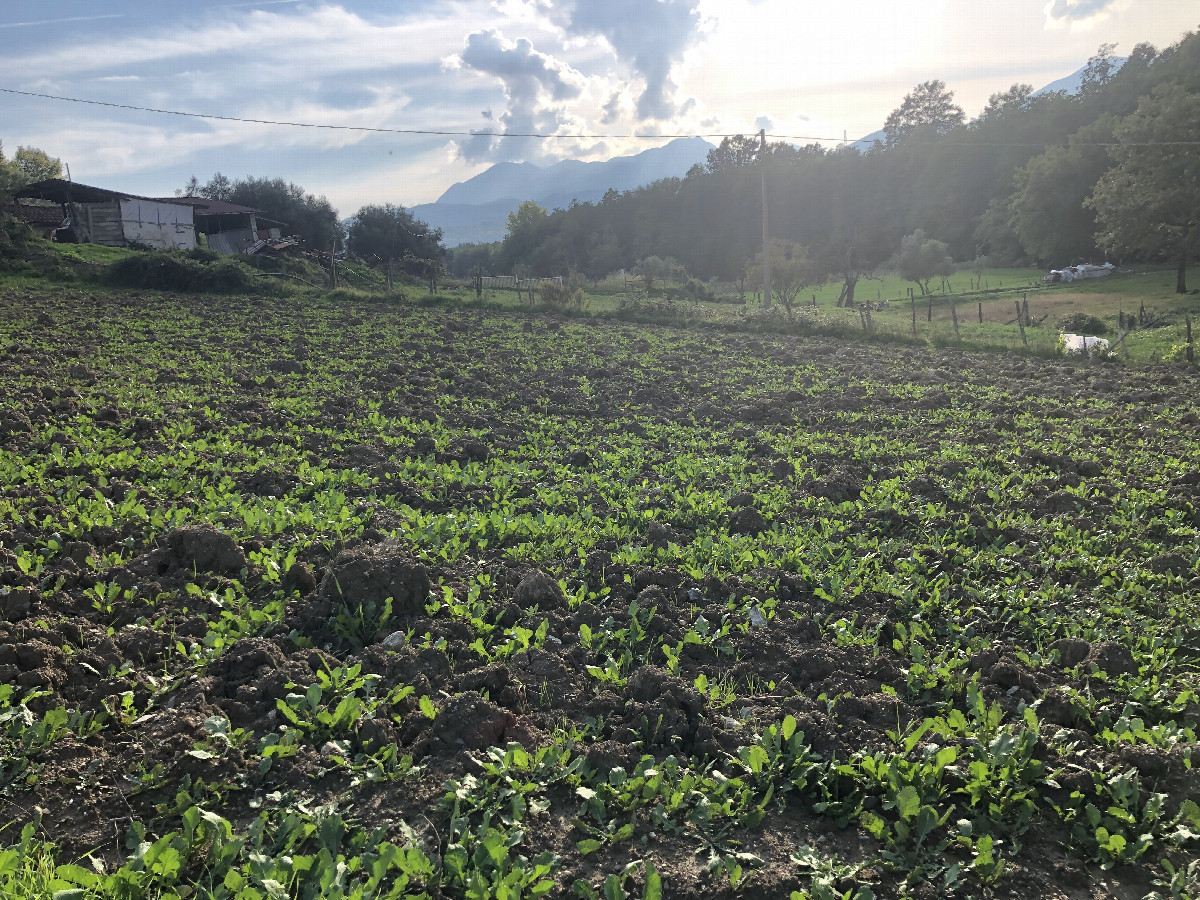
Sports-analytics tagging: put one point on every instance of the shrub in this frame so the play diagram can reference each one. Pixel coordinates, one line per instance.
(562, 296)
(1082, 323)
(179, 271)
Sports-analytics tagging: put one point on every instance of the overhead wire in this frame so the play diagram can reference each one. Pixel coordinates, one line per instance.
(442, 132)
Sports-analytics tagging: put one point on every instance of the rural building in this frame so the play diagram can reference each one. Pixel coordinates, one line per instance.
(93, 215)
(229, 228)
(44, 220)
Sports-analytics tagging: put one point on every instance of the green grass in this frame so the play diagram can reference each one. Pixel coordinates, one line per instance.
(92, 253)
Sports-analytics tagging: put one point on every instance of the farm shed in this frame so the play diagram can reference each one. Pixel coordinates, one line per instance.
(229, 228)
(115, 219)
(42, 219)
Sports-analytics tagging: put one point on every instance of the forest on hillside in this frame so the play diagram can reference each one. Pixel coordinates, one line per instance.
(1052, 179)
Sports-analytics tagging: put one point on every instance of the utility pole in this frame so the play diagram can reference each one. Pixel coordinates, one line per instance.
(762, 163)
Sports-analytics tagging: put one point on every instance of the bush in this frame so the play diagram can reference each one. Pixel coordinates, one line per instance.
(1082, 323)
(562, 296)
(180, 271)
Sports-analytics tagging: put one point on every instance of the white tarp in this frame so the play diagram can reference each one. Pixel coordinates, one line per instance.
(164, 226)
(1081, 344)
(1075, 273)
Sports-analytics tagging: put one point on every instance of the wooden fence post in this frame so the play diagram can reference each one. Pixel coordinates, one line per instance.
(980, 312)
(954, 317)
(1188, 352)
(1021, 322)
(929, 310)
(913, 301)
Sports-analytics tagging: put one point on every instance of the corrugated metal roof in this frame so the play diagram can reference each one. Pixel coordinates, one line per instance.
(206, 207)
(60, 191)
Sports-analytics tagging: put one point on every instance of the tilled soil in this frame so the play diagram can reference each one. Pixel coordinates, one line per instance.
(629, 542)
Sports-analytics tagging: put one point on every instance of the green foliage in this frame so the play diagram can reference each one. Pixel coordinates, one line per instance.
(929, 106)
(1148, 202)
(179, 271)
(383, 233)
(922, 259)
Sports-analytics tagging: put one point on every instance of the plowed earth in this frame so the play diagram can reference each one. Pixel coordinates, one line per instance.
(266, 560)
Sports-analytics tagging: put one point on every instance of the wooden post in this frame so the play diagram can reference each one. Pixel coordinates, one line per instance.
(980, 312)
(929, 308)
(954, 316)
(913, 301)
(1188, 352)
(1021, 322)
(332, 264)
(1025, 308)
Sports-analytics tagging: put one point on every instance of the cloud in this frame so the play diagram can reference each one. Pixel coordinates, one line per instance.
(764, 123)
(532, 81)
(61, 21)
(523, 70)
(329, 40)
(648, 35)
(1076, 10)
(612, 109)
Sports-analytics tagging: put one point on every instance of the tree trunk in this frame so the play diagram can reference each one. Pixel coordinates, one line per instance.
(849, 289)
(1181, 272)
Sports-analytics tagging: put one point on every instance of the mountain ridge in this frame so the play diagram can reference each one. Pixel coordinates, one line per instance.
(476, 210)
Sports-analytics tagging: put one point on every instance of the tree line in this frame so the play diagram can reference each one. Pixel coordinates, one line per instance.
(1053, 179)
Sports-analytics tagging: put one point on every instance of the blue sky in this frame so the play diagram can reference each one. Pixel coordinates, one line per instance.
(623, 73)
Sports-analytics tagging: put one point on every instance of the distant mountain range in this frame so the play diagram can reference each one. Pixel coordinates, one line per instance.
(476, 210)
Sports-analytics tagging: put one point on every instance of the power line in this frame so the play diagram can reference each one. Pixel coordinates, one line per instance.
(365, 128)
(542, 136)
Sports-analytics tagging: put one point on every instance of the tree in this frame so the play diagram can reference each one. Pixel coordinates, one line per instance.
(929, 105)
(791, 271)
(312, 219)
(28, 165)
(389, 233)
(1149, 202)
(1048, 212)
(463, 261)
(654, 268)
(922, 258)
(219, 187)
(734, 152)
(1016, 99)
(1100, 70)
(527, 228)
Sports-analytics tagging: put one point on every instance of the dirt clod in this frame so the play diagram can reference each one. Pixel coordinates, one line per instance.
(203, 548)
(371, 574)
(540, 590)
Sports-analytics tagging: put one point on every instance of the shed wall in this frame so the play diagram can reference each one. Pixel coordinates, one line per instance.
(164, 226)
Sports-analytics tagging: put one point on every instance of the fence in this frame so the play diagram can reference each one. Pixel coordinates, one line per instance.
(522, 284)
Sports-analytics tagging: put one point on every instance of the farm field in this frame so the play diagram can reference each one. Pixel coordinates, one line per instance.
(306, 598)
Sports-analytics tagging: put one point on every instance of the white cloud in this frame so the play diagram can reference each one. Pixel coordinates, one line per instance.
(650, 36)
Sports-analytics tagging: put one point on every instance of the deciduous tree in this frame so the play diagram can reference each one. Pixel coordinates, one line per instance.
(791, 271)
(1149, 202)
(923, 258)
(928, 105)
(388, 232)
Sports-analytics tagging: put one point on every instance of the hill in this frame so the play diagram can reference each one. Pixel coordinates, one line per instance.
(477, 210)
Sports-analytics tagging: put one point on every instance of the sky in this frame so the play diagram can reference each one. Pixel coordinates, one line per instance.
(605, 77)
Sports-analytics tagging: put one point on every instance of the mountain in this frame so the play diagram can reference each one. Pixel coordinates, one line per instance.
(476, 210)
(1073, 82)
